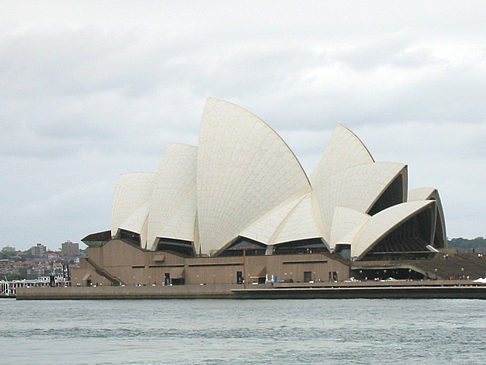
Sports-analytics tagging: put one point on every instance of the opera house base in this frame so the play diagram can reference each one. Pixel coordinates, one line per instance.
(120, 269)
(121, 262)
(397, 290)
(457, 289)
(215, 291)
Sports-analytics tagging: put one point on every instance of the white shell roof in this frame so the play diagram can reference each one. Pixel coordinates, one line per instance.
(291, 221)
(136, 221)
(244, 170)
(356, 188)
(264, 228)
(345, 220)
(132, 196)
(384, 222)
(428, 193)
(181, 224)
(299, 224)
(243, 180)
(344, 150)
(421, 194)
(173, 201)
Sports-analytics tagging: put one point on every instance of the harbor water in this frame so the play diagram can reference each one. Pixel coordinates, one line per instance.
(354, 331)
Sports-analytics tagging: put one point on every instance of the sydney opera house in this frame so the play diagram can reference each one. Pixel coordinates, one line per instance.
(239, 206)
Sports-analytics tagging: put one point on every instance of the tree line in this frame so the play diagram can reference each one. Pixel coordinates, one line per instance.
(477, 244)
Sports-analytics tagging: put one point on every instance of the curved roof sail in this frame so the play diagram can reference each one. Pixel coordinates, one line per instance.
(173, 202)
(244, 169)
(356, 188)
(379, 225)
(243, 181)
(345, 221)
(130, 202)
(265, 227)
(343, 151)
(299, 224)
(427, 193)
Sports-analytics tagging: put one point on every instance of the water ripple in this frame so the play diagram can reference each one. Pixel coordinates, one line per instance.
(243, 332)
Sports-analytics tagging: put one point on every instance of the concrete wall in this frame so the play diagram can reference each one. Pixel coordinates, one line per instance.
(133, 266)
(293, 267)
(129, 292)
(86, 272)
(402, 289)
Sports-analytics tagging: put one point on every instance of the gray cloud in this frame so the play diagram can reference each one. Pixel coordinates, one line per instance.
(89, 91)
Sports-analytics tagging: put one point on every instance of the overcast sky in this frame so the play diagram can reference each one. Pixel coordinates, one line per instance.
(91, 90)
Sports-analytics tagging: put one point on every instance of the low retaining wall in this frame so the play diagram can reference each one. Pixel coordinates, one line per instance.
(383, 292)
(129, 292)
(400, 289)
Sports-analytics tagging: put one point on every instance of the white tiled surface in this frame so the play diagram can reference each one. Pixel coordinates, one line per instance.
(345, 220)
(356, 188)
(135, 222)
(132, 193)
(244, 169)
(383, 222)
(243, 180)
(299, 224)
(263, 229)
(343, 151)
(173, 202)
(421, 194)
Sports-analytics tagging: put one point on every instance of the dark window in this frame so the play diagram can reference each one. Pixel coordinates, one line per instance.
(239, 277)
(178, 281)
(391, 196)
(130, 236)
(333, 276)
(307, 276)
(178, 247)
(253, 248)
(312, 245)
(407, 241)
(217, 264)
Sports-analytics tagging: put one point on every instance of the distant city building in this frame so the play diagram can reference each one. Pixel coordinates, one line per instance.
(5, 266)
(51, 256)
(70, 249)
(38, 250)
(9, 249)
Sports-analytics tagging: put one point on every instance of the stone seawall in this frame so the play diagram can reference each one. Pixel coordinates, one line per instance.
(398, 289)
(383, 292)
(129, 292)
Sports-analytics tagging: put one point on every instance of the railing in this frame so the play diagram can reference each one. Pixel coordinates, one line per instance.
(100, 271)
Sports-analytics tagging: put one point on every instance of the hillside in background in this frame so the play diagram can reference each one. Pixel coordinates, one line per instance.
(477, 244)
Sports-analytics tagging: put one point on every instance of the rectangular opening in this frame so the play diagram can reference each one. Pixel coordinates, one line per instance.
(239, 277)
(307, 276)
(305, 262)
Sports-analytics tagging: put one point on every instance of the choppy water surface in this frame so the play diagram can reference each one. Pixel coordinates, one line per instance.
(243, 332)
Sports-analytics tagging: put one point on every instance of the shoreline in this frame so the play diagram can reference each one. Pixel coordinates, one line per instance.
(451, 289)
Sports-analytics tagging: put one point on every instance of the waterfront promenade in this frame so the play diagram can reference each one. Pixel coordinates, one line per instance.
(464, 289)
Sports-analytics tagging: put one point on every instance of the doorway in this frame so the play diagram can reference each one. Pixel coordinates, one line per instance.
(307, 276)
(239, 277)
